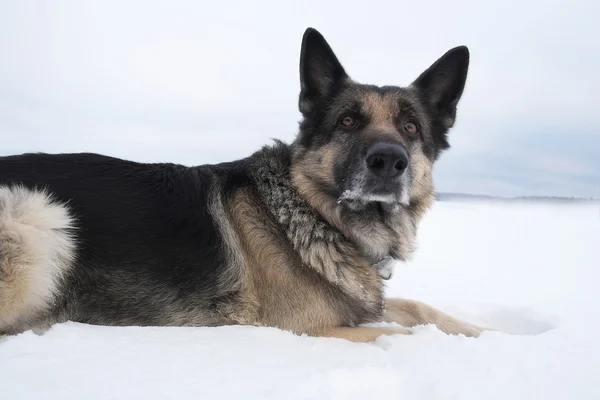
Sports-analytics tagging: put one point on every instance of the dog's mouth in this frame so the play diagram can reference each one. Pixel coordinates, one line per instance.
(359, 198)
(363, 190)
(381, 205)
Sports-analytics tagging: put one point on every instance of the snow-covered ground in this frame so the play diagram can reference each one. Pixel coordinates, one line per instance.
(531, 270)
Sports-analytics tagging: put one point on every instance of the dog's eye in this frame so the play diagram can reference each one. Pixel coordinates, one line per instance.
(410, 128)
(347, 120)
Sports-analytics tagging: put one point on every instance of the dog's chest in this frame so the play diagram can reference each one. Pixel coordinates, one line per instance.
(319, 245)
(378, 237)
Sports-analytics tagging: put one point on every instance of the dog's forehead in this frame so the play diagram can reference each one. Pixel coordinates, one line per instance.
(379, 105)
(378, 101)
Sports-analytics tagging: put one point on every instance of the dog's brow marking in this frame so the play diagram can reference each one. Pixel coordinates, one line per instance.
(381, 108)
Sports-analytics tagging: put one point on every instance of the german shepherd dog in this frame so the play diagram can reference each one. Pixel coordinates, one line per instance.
(296, 236)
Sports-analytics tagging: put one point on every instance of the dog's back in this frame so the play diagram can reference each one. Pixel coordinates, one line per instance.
(141, 236)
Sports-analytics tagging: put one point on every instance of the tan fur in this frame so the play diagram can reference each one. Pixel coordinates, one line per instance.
(216, 207)
(422, 190)
(362, 334)
(36, 251)
(314, 166)
(410, 313)
(381, 109)
(277, 294)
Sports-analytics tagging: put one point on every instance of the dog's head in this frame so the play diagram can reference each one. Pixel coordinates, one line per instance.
(363, 143)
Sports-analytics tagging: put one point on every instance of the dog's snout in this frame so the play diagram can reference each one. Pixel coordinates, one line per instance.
(387, 160)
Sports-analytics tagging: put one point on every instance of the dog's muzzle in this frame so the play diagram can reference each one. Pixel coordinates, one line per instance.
(383, 178)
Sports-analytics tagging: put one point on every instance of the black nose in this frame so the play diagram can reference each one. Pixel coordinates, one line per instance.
(387, 160)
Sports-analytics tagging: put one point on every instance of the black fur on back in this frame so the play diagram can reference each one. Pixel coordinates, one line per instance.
(140, 227)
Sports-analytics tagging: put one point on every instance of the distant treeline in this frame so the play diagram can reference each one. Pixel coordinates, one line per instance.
(479, 197)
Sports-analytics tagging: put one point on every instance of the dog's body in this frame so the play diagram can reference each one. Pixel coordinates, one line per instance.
(294, 236)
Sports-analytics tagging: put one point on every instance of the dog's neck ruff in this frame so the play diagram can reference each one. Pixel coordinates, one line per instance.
(320, 246)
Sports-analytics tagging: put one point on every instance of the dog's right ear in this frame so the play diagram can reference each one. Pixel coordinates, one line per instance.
(320, 70)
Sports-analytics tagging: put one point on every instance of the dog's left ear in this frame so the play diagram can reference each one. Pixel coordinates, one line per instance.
(443, 83)
(320, 70)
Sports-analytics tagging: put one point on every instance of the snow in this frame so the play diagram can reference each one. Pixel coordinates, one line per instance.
(531, 270)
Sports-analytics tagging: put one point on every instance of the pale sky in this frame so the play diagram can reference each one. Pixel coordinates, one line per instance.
(199, 82)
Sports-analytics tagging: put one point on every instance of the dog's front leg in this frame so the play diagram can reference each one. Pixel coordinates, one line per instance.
(363, 334)
(409, 313)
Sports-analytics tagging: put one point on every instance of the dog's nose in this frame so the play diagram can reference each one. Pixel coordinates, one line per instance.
(387, 160)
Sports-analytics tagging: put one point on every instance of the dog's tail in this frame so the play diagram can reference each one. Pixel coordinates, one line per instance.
(37, 248)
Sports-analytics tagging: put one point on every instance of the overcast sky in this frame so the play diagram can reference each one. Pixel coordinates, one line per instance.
(195, 82)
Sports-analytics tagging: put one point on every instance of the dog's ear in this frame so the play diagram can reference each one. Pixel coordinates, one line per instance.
(320, 70)
(443, 83)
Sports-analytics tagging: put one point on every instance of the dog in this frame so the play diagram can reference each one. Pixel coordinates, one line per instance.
(298, 236)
